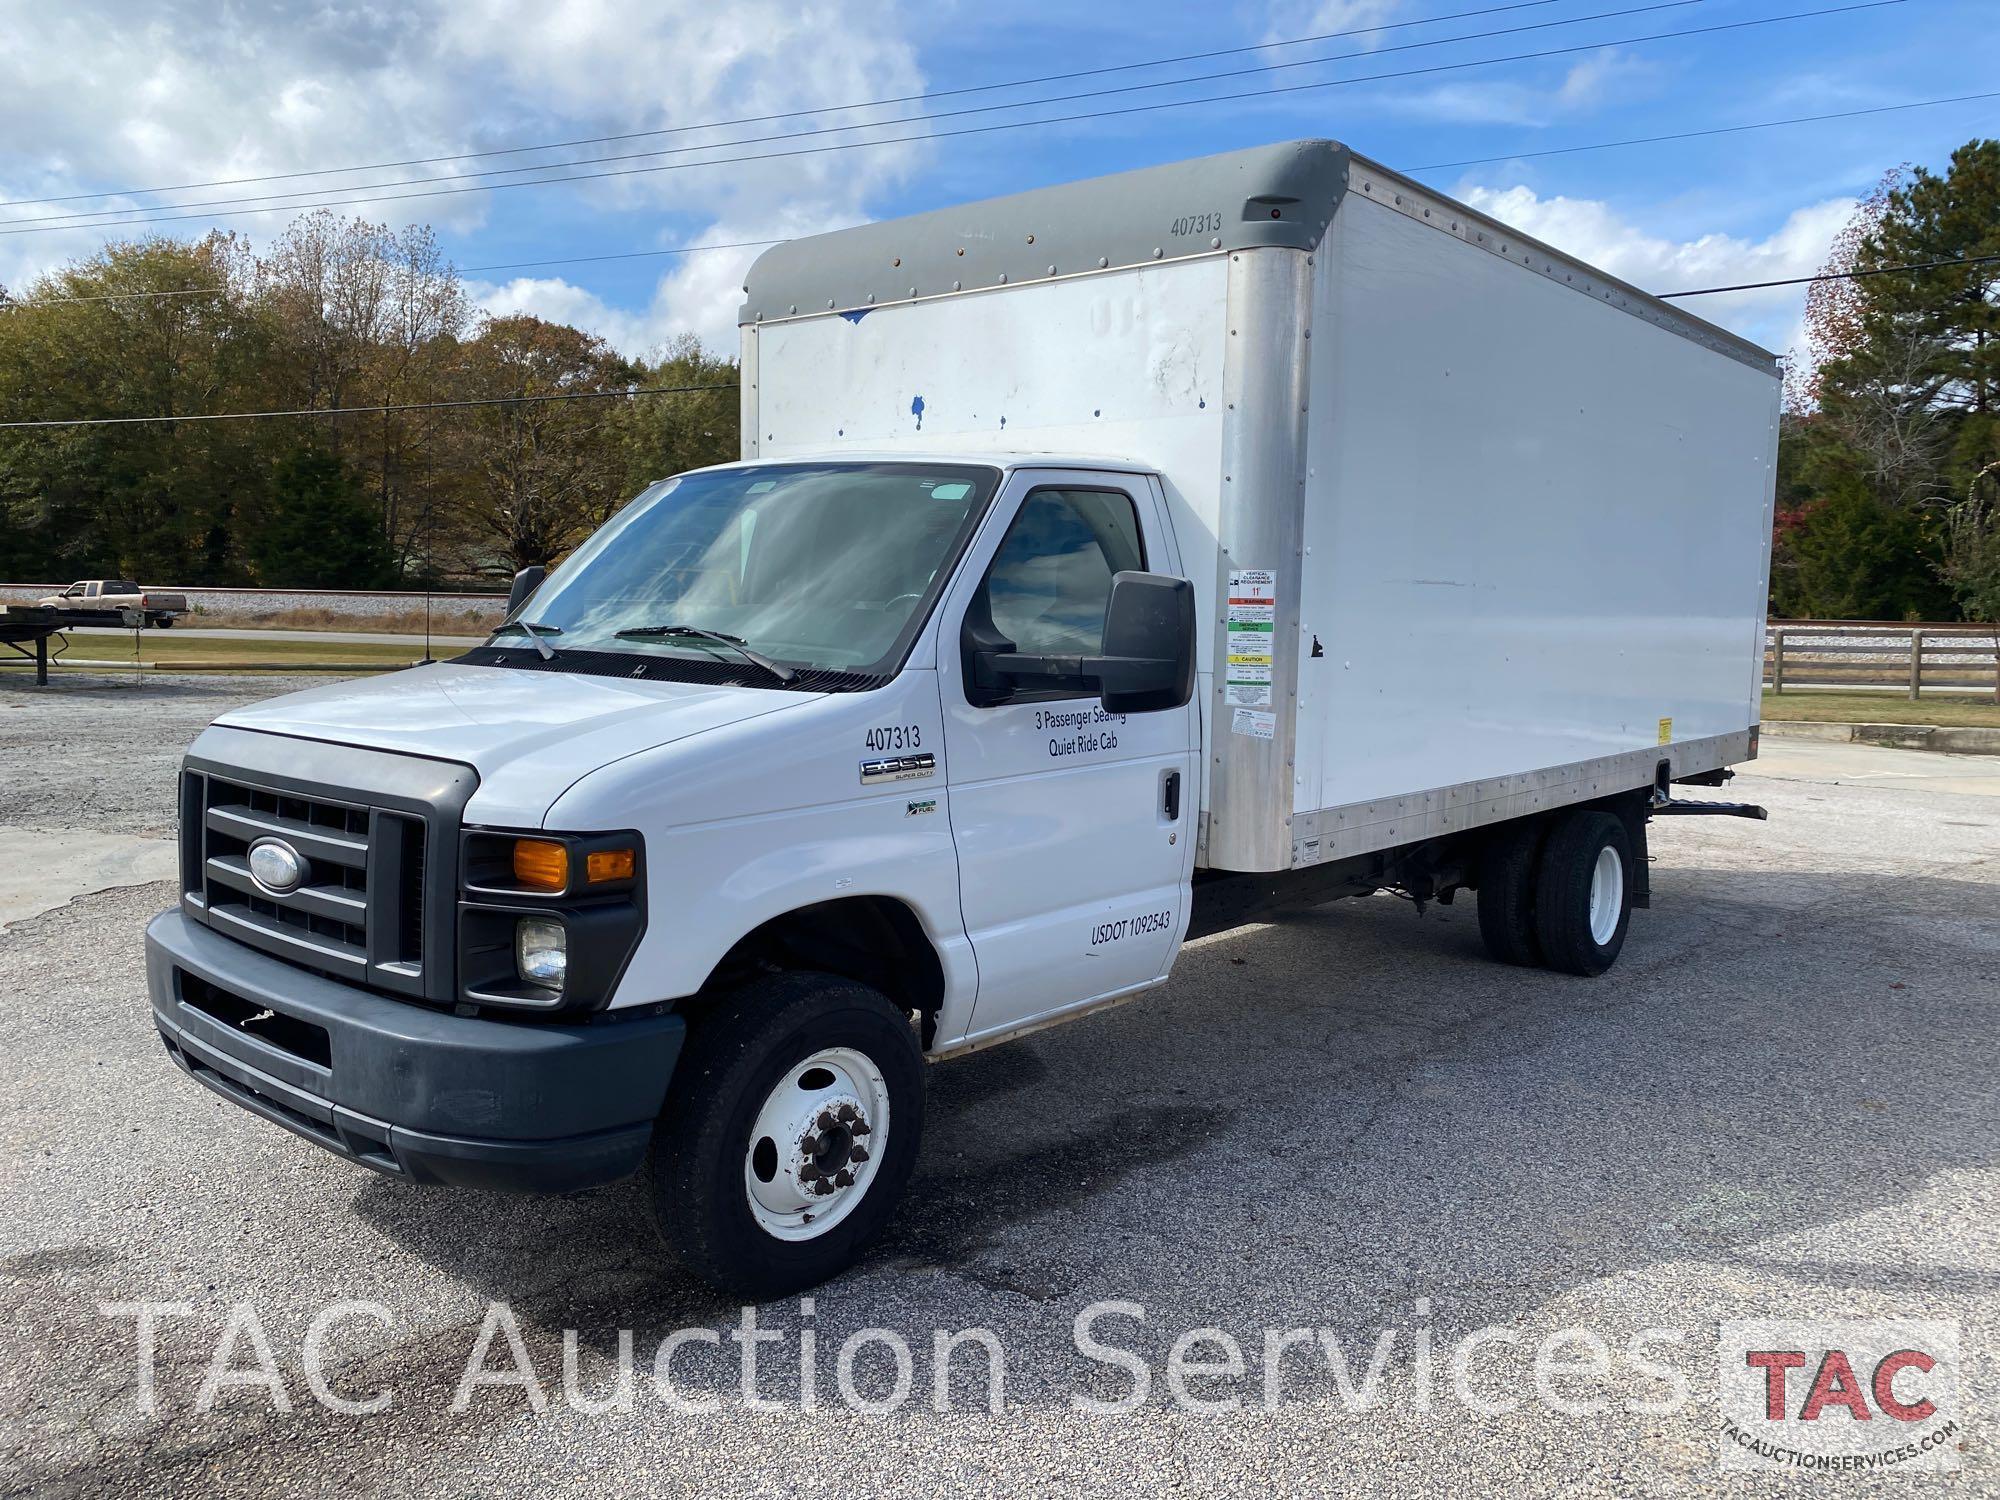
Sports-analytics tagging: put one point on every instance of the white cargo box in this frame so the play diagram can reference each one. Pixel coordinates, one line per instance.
(1475, 528)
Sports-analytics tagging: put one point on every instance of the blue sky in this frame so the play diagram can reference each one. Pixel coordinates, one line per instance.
(96, 97)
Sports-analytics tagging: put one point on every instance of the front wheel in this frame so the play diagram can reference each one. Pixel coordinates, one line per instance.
(789, 1133)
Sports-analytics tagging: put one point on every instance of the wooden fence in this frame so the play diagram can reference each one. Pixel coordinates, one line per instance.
(1879, 655)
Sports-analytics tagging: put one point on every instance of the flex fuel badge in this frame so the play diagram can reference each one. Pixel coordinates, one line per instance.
(1251, 618)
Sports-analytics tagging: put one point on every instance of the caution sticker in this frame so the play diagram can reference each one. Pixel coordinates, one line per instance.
(1251, 617)
(1667, 731)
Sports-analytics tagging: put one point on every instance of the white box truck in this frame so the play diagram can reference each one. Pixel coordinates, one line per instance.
(1106, 564)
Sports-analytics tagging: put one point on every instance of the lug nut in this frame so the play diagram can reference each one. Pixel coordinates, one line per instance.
(826, 1120)
(843, 1178)
(858, 1154)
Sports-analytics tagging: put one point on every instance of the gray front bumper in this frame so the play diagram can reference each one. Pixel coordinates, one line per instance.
(404, 1089)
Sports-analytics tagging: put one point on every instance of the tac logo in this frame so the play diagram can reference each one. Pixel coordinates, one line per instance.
(1840, 1397)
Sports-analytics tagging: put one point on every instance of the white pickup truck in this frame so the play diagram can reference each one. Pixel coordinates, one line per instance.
(1107, 564)
(115, 601)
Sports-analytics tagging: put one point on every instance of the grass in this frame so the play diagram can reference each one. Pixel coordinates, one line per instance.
(1956, 710)
(168, 649)
(446, 619)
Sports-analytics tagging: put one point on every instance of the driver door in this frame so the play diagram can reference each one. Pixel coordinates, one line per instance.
(1072, 826)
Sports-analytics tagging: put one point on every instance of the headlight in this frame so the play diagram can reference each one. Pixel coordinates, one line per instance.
(541, 951)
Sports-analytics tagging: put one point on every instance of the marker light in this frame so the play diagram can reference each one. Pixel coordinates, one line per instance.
(541, 865)
(608, 864)
(541, 951)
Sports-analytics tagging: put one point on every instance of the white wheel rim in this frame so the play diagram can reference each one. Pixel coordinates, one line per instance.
(1607, 895)
(816, 1144)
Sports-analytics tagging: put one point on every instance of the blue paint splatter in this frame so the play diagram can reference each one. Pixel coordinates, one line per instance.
(1003, 421)
(858, 314)
(1203, 403)
(917, 411)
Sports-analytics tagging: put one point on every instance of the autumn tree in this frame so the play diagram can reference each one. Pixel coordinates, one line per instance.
(670, 434)
(537, 475)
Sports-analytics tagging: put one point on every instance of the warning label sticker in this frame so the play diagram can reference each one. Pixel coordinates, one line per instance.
(1251, 617)
(1259, 726)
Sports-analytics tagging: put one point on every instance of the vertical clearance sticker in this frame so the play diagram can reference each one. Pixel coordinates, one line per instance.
(1251, 617)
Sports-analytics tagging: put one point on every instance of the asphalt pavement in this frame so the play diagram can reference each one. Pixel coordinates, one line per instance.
(1780, 1103)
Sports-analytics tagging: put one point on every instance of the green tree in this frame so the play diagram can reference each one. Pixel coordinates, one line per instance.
(157, 327)
(1907, 391)
(319, 530)
(1853, 556)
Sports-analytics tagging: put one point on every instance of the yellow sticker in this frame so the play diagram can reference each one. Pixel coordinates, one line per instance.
(1666, 731)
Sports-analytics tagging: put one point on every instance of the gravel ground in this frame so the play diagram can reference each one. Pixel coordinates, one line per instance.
(103, 752)
(1780, 1104)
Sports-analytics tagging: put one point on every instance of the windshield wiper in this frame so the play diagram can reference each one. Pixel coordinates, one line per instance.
(534, 633)
(735, 643)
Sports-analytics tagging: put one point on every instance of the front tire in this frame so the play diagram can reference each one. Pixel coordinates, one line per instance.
(1583, 893)
(789, 1133)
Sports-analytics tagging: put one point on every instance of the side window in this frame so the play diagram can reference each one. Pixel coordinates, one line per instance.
(1051, 579)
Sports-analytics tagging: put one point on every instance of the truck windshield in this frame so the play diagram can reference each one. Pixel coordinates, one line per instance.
(816, 567)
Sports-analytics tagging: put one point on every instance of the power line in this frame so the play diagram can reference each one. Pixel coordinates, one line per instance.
(191, 291)
(633, 135)
(265, 202)
(1689, 135)
(1431, 167)
(372, 411)
(577, 260)
(1133, 109)
(682, 390)
(571, 260)
(1754, 286)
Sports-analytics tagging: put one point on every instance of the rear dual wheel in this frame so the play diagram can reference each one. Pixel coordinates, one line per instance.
(1557, 892)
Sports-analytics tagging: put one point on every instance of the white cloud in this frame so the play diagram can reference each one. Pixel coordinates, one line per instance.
(99, 94)
(1584, 86)
(698, 294)
(1290, 18)
(1597, 233)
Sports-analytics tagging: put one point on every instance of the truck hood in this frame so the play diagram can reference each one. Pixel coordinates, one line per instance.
(529, 735)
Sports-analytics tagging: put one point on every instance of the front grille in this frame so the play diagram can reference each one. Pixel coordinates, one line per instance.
(358, 913)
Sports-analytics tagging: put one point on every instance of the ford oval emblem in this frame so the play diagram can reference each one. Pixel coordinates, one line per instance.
(276, 866)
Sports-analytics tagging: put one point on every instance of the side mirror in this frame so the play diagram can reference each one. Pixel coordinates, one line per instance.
(1148, 653)
(1148, 661)
(525, 583)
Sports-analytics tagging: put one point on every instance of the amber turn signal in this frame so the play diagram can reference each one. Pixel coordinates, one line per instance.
(608, 864)
(541, 865)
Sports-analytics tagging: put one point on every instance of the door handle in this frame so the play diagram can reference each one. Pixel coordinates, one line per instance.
(1172, 790)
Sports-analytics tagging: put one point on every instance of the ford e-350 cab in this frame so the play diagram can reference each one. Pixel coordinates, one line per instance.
(1107, 564)
(447, 922)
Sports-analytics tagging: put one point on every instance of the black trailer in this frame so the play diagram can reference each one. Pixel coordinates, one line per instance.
(25, 630)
